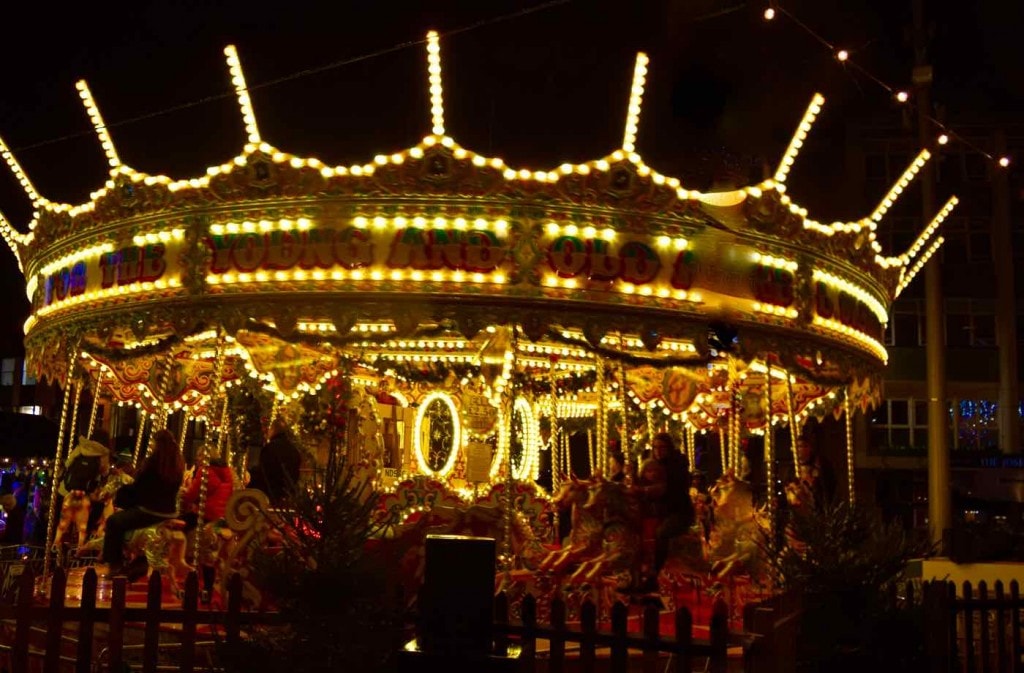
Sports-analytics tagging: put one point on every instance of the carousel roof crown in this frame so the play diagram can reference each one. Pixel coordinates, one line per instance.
(438, 230)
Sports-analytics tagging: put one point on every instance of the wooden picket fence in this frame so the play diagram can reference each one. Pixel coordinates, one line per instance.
(583, 643)
(977, 631)
(24, 652)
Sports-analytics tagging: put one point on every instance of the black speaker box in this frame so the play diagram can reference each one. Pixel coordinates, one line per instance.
(457, 599)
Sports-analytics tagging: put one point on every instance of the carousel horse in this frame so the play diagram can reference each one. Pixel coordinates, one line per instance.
(85, 467)
(620, 553)
(162, 547)
(800, 499)
(74, 511)
(733, 547)
(105, 496)
(584, 541)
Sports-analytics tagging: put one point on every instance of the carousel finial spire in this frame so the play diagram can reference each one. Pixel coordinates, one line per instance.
(436, 90)
(798, 138)
(908, 272)
(19, 174)
(636, 97)
(11, 237)
(97, 123)
(244, 102)
(904, 180)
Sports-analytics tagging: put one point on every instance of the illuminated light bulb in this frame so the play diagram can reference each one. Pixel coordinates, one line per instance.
(479, 160)
(97, 122)
(902, 96)
(842, 55)
(943, 139)
(1004, 161)
(437, 94)
(769, 13)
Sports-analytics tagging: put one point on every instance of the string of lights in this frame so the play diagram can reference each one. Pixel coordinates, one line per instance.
(901, 96)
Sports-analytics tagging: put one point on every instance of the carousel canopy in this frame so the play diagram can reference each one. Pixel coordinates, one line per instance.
(278, 267)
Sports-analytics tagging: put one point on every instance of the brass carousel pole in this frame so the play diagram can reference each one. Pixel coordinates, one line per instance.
(592, 456)
(769, 455)
(849, 445)
(737, 460)
(203, 457)
(556, 453)
(95, 405)
(649, 413)
(692, 431)
(794, 428)
(602, 418)
(58, 461)
(723, 447)
(143, 418)
(508, 402)
(159, 420)
(566, 446)
(627, 450)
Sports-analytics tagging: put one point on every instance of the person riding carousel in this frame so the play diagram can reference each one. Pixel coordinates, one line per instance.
(152, 498)
(665, 487)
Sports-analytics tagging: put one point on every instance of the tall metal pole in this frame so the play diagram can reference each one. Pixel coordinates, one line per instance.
(940, 517)
(1006, 304)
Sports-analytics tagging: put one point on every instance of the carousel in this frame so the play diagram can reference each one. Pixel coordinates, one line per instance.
(477, 314)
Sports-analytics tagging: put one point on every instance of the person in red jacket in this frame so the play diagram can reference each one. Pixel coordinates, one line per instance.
(219, 486)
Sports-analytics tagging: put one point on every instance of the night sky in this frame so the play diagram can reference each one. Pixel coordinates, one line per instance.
(538, 89)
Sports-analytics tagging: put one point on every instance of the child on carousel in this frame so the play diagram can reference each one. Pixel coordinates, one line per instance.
(151, 499)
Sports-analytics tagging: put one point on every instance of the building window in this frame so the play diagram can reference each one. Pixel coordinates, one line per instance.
(956, 249)
(906, 326)
(874, 167)
(977, 425)
(34, 410)
(981, 242)
(970, 322)
(26, 378)
(975, 166)
(7, 371)
(900, 426)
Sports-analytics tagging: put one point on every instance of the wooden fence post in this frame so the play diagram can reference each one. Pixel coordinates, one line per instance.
(719, 637)
(151, 638)
(188, 623)
(620, 646)
(501, 621)
(651, 637)
(938, 614)
(588, 620)
(529, 611)
(86, 622)
(1002, 662)
(55, 621)
(968, 627)
(760, 657)
(985, 632)
(684, 640)
(115, 640)
(1015, 648)
(23, 621)
(556, 659)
